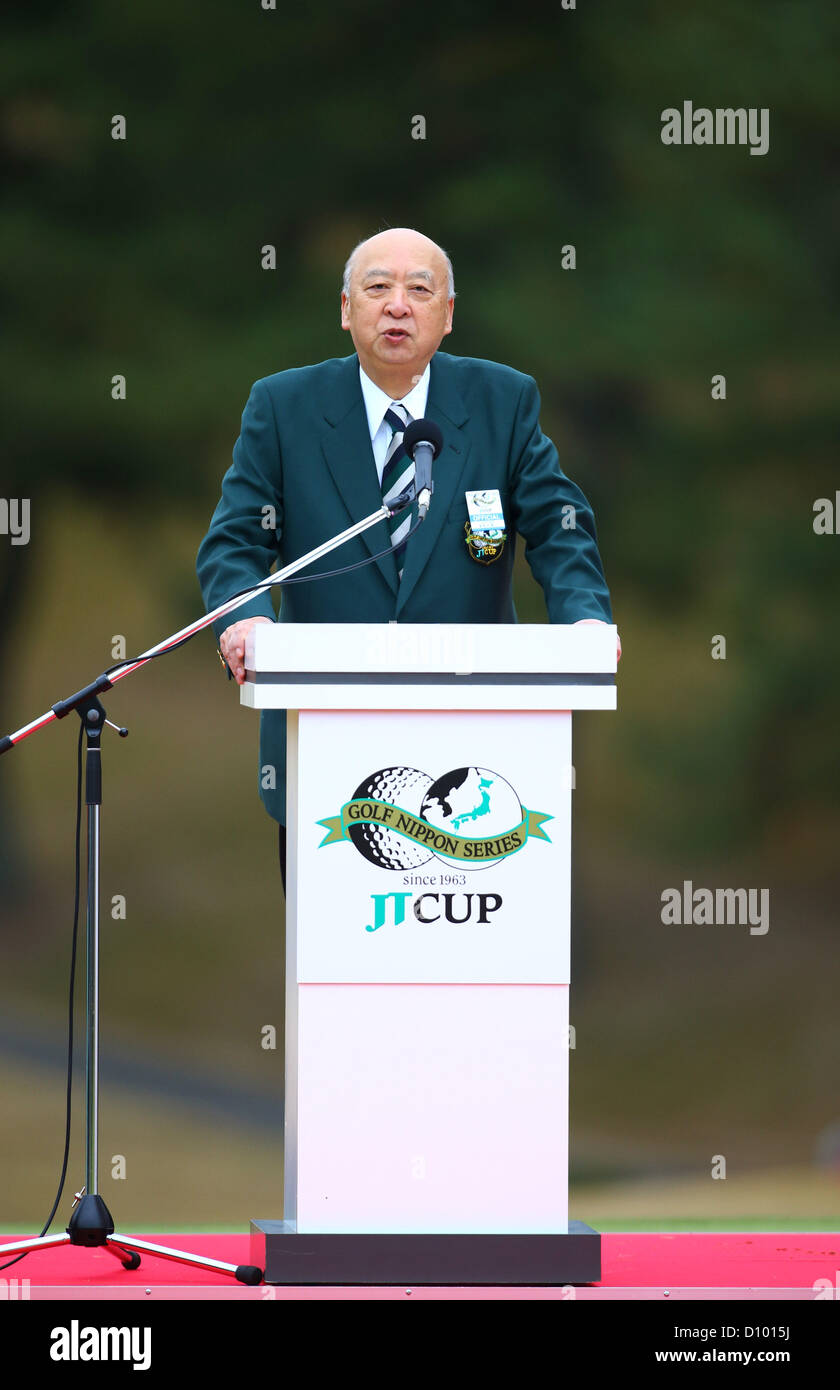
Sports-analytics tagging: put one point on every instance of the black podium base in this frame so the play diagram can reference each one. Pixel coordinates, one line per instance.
(290, 1258)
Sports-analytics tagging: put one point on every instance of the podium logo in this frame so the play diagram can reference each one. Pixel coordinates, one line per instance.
(399, 818)
(433, 907)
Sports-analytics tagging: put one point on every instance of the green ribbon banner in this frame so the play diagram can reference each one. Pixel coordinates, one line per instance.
(367, 811)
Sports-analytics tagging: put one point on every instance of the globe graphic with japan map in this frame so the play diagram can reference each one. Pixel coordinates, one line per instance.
(472, 803)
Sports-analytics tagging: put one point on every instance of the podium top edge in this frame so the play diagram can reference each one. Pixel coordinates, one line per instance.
(436, 649)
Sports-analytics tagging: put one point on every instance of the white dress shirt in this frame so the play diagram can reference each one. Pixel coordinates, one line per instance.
(376, 404)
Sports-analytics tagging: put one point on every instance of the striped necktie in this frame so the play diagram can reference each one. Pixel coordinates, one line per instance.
(397, 473)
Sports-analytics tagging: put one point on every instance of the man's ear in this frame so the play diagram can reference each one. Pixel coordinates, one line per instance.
(345, 311)
(449, 315)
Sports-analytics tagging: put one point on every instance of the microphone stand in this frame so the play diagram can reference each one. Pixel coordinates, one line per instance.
(91, 1223)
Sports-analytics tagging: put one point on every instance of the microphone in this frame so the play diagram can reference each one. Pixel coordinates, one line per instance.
(423, 442)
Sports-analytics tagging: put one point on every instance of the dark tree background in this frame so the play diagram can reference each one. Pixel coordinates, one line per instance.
(292, 127)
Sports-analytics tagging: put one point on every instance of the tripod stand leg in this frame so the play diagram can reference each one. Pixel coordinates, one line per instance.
(246, 1274)
(17, 1247)
(129, 1259)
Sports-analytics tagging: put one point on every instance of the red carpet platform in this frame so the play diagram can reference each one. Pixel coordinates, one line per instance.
(673, 1267)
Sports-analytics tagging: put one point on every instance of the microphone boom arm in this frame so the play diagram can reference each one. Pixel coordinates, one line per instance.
(110, 678)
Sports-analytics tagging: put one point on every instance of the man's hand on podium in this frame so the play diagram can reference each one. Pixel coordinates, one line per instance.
(232, 646)
(600, 620)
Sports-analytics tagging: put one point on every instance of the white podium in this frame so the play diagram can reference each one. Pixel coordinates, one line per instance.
(427, 974)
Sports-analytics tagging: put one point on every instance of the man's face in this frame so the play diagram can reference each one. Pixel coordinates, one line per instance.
(397, 312)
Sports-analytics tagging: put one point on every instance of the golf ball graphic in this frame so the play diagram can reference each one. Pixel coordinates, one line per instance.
(474, 804)
(399, 786)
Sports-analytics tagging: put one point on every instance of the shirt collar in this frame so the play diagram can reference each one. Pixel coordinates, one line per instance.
(377, 402)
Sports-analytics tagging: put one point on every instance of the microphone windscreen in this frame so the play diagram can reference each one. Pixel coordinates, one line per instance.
(422, 432)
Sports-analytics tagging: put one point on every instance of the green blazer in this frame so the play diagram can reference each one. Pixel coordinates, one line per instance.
(305, 451)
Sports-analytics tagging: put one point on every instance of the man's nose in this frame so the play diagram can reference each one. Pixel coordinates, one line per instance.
(398, 304)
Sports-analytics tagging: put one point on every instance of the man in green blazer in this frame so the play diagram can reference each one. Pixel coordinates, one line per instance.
(316, 441)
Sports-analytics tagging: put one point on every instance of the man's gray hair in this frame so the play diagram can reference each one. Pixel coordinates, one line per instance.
(348, 269)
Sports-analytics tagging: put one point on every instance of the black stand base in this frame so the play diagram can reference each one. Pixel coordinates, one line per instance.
(290, 1258)
(91, 1223)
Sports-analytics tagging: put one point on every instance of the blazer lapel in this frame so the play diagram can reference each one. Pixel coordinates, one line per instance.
(445, 405)
(345, 442)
